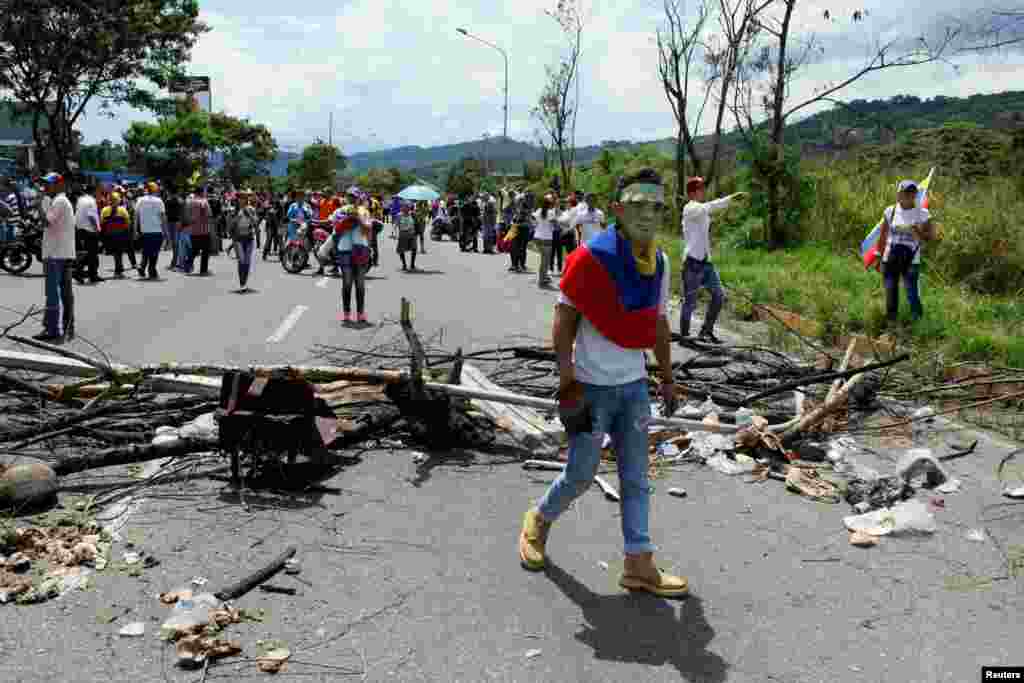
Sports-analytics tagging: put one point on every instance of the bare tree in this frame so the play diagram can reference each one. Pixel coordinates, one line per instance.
(995, 26)
(559, 99)
(678, 47)
(774, 65)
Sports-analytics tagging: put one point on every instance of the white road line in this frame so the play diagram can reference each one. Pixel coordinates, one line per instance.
(322, 282)
(287, 324)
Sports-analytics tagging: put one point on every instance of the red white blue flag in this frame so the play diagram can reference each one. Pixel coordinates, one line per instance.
(869, 247)
(602, 281)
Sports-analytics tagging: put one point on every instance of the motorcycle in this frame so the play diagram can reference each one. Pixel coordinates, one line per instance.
(16, 257)
(442, 227)
(310, 237)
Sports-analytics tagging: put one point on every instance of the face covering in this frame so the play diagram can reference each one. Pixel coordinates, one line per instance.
(643, 210)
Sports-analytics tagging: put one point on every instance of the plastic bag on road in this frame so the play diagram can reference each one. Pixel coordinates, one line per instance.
(202, 428)
(741, 465)
(189, 616)
(908, 517)
(706, 444)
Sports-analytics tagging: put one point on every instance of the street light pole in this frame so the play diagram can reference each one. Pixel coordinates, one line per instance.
(503, 54)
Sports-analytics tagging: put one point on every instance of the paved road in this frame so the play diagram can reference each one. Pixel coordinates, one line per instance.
(411, 572)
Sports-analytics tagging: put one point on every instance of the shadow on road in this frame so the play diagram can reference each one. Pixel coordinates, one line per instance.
(34, 276)
(644, 629)
(420, 271)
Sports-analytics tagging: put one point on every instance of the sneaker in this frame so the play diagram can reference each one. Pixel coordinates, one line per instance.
(709, 337)
(47, 337)
(345, 318)
(641, 574)
(362, 318)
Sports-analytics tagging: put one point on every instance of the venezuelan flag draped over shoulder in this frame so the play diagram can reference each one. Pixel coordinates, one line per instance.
(603, 282)
(869, 247)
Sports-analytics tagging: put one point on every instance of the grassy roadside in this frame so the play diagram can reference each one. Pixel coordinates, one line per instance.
(821, 282)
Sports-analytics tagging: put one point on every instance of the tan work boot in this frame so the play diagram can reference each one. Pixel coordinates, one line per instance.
(642, 574)
(532, 540)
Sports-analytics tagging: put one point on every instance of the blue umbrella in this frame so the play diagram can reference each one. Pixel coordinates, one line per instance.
(419, 193)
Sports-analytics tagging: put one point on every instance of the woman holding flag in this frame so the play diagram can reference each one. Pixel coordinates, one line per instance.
(352, 255)
(898, 238)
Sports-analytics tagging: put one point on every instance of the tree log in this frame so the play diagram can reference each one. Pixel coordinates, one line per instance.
(123, 455)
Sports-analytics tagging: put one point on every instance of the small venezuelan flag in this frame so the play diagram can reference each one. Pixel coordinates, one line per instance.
(869, 247)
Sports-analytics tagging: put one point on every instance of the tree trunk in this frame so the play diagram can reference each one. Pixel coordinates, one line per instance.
(776, 237)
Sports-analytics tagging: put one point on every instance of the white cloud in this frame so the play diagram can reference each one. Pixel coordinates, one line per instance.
(395, 72)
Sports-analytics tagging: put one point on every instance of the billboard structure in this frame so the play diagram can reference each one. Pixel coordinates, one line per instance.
(192, 92)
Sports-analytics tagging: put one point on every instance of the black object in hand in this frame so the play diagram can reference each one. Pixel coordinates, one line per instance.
(576, 417)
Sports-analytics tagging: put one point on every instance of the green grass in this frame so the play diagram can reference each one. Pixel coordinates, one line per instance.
(829, 285)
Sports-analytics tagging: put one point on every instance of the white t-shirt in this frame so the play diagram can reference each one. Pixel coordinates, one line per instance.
(59, 236)
(600, 361)
(85, 210)
(901, 221)
(697, 226)
(150, 213)
(588, 222)
(544, 228)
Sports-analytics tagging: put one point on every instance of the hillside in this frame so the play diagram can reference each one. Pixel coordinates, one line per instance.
(871, 120)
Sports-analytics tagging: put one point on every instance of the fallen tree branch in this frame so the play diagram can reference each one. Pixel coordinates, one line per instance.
(824, 410)
(826, 377)
(123, 455)
(240, 588)
(842, 368)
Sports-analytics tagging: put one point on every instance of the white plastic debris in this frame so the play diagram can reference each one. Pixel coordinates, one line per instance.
(603, 565)
(419, 458)
(691, 410)
(921, 462)
(976, 535)
(907, 517)
(530, 654)
(202, 428)
(744, 417)
(187, 616)
(922, 423)
(708, 407)
(668, 450)
(677, 492)
(706, 444)
(951, 486)
(198, 581)
(741, 465)
(292, 566)
(133, 630)
(1016, 494)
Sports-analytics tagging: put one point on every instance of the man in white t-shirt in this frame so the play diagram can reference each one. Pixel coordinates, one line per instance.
(87, 228)
(905, 227)
(587, 220)
(611, 308)
(698, 271)
(58, 258)
(151, 220)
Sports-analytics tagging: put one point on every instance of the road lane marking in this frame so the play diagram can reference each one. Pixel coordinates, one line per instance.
(322, 282)
(287, 324)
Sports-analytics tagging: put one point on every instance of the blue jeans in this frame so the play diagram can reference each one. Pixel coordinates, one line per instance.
(59, 294)
(910, 279)
(6, 232)
(621, 412)
(697, 274)
(293, 231)
(151, 243)
(184, 255)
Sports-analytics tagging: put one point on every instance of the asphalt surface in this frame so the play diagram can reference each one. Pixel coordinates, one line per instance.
(410, 572)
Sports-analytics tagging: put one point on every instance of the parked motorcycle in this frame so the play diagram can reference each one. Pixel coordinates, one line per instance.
(442, 227)
(18, 256)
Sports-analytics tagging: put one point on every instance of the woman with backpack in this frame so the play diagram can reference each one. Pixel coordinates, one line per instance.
(905, 228)
(243, 226)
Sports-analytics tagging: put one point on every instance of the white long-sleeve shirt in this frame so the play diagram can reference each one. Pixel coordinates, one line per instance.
(697, 226)
(589, 223)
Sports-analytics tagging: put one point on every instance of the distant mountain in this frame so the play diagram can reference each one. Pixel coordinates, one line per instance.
(859, 121)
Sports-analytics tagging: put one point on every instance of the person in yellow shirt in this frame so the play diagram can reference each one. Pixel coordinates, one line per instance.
(115, 226)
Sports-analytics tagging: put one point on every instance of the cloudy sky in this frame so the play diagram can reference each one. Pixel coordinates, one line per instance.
(397, 73)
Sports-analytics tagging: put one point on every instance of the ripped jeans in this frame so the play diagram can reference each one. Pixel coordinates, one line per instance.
(621, 412)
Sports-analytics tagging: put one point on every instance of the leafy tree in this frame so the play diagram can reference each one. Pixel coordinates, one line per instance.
(57, 56)
(176, 147)
(318, 167)
(464, 177)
